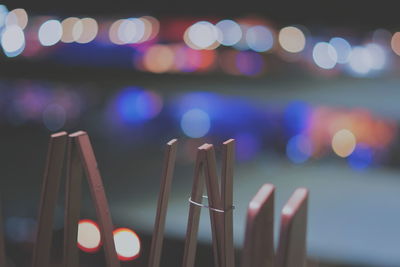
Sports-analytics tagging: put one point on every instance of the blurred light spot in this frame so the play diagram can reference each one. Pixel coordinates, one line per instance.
(131, 31)
(127, 244)
(292, 39)
(153, 30)
(395, 43)
(17, 17)
(19, 229)
(13, 41)
(50, 32)
(259, 38)
(201, 35)
(114, 32)
(158, 58)
(231, 33)
(85, 30)
(297, 117)
(299, 149)
(324, 55)
(195, 123)
(343, 143)
(242, 44)
(3, 15)
(361, 158)
(54, 117)
(89, 237)
(249, 63)
(360, 60)
(68, 26)
(135, 105)
(378, 56)
(342, 48)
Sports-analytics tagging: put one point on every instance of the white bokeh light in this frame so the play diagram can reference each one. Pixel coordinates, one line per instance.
(360, 60)
(202, 35)
(195, 123)
(231, 33)
(259, 38)
(342, 48)
(127, 244)
(50, 32)
(324, 55)
(13, 40)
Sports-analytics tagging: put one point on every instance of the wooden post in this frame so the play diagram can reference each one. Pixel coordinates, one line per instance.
(98, 196)
(51, 184)
(162, 206)
(258, 248)
(73, 192)
(292, 240)
(228, 160)
(206, 164)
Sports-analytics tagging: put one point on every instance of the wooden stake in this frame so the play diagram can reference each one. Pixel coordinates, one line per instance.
(227, 199)
(162, 206)
(73, 194)
(51, 184)
(292, 240)
(258, 248)
(206, 163)
(98, 195)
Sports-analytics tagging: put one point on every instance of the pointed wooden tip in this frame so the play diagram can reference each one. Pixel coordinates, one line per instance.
(263, 195)
(229, 141)
(205, 146)
(79, 133)
(172, 142)
(60, 134)
(298, 198)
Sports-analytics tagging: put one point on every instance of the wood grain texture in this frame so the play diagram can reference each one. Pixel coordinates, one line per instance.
(99, 197)
(228, 161)
(48, 200)
(162, 206)
(292, 239)
(73, 193)
(258, 248)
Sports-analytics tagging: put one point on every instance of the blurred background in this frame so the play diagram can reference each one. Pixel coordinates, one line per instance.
(309, 90)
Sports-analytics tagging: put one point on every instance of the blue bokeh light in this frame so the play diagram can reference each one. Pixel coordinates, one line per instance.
(195, 123)
(361, 158)
(297, 117)
(299, 149)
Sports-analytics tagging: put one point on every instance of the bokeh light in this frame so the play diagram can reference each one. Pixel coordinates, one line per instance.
(195, 123)
(299, 149)
(292, 39)
(3, 15)
(13, 40)
(50, 32)
(342, 48)
(259, 38)
(395, 43)
(324, 55)
(360, 60)
(378, 56)
(85, 30)
(249, 63)
(54, 117)
(158, 58)
(89, 237)
(231, 33)
(68, 26)
(343, 143)
(361, 158)
(134, 105)
(131, 31)
(202, 35)
(127, 244)
(17, 17)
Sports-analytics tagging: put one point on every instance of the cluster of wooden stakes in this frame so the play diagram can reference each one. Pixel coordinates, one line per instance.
(258, 248)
